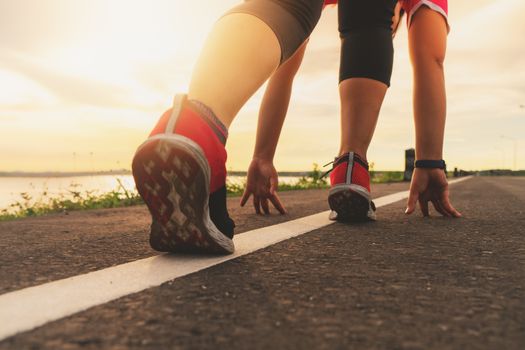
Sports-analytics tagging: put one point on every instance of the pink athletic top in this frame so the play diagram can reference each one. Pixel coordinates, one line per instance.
(411, 6)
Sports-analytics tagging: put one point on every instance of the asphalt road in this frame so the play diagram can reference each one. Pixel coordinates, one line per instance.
(400, 283)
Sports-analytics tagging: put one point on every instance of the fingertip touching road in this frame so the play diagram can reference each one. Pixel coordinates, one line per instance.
(402, 282)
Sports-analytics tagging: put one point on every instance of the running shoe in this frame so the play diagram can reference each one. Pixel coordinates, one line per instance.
(180, 173)
(349, 196)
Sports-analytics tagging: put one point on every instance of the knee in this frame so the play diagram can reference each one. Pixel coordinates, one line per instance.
(439, 60)
(426, 55)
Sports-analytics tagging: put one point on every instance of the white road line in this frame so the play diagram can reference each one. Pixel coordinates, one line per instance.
(32, 307)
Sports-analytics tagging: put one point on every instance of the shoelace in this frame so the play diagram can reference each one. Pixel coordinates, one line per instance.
(334, 162)
(329, 171)
(339, 160)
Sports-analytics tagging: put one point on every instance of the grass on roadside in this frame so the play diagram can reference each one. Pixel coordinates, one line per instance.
(76, 200)
(380, 177)
(313, 180)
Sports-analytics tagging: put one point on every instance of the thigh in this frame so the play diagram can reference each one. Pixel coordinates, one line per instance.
(292, 21)
(428, 34)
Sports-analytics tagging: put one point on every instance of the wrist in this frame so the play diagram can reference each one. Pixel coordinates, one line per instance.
(428, 155)
(264, 151)
(429, 149)
(262, 157)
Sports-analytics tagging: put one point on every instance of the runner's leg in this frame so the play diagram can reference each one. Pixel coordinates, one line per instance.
(180, 171)
(366, 68)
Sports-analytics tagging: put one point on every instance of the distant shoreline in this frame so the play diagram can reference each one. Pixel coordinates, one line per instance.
(58, 174)
(63, 174)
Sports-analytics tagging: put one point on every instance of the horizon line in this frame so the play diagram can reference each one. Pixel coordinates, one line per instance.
(230, 172)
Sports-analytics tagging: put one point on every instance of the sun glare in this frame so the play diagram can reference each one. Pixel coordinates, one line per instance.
(106, 69)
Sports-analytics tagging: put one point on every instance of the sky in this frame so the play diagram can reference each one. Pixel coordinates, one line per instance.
(82, 82)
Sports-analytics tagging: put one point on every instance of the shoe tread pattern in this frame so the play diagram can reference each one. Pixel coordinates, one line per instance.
(350, 206)
(173, 185)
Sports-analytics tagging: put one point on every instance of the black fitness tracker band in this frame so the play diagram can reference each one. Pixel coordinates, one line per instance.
(430, 164)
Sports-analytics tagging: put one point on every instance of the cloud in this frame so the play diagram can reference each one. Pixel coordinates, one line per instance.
(92, 81)
(69, 89)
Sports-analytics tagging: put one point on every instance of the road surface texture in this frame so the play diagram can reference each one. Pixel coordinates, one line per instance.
(400, 283)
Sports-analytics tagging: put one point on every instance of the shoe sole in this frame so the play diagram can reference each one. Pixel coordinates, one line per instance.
(172, 176)
(351, 203)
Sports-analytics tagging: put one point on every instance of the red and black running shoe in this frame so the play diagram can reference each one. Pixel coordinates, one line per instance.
(349, 196)
(180, 173)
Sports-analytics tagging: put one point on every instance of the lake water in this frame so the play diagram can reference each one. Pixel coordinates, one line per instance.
(11, 188)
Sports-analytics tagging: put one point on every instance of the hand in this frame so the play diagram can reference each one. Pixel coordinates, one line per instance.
(262, 184)
(430, 185)
(396, 18)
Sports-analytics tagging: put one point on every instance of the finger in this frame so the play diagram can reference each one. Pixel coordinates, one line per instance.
(274, 184)
(442, 207)
(245, 197)
(449, 208)
(423, 205)
(264, 205)
(411, 203)
(257, 204)
(439, 208)
(276, 201)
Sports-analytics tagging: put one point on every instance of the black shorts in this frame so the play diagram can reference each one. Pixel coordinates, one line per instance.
(364, 26)
(366, 39)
